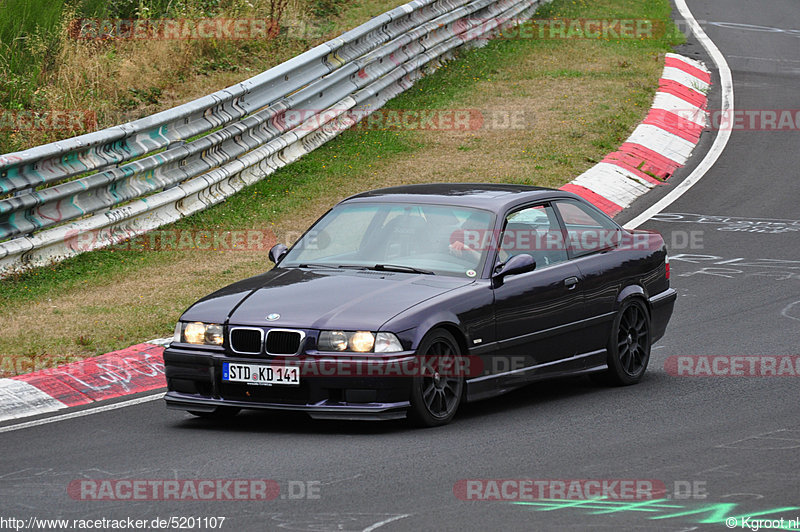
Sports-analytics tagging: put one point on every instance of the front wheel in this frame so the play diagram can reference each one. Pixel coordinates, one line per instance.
(437, 391)
(629, 344)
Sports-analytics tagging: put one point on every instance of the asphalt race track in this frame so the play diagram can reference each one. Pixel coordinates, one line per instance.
(720, 446)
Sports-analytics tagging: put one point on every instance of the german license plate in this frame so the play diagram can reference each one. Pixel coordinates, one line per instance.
(261, 375)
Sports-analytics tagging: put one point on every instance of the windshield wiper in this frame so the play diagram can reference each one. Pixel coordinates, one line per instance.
(334, 267)
(378, 267)
(398, 268)
(316, 266)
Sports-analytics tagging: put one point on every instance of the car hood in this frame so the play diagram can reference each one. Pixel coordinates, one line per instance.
(320, 299)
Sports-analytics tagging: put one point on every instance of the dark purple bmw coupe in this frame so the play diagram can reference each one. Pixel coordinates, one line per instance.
(408, 301)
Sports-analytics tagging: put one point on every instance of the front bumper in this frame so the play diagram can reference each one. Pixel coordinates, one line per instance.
(661, 306)
(325, 410)
(194, 382)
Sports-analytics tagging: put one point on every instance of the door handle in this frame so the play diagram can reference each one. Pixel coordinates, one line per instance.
(571, 283)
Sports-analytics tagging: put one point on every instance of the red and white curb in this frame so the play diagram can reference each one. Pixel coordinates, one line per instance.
(138, 368)
(661, 144)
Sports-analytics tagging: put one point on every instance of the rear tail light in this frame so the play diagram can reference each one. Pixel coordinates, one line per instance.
(666, 261)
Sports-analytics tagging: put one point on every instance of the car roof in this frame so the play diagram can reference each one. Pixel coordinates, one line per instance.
(490, 196)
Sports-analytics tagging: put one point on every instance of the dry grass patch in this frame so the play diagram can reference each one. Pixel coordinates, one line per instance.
(122, 80)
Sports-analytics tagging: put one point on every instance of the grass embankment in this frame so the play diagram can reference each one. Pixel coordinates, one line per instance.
(579, 99)
(49, 64)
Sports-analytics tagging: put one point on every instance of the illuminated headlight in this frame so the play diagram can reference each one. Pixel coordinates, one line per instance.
(362, 341)
(359, 342)
(199, 333)
(333, 341)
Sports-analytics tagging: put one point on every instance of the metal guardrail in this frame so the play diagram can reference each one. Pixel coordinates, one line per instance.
(128, 179)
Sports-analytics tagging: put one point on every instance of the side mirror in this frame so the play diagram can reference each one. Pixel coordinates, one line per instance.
(517, 264)
(277, 252)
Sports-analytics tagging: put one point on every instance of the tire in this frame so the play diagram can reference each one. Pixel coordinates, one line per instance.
(219, 413)
(435, 398)
(628, 345)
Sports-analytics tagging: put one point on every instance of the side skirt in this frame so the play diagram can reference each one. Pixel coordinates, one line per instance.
(487, 386)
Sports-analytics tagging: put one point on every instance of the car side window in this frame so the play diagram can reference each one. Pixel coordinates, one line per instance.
(588, 231)
(535, 231)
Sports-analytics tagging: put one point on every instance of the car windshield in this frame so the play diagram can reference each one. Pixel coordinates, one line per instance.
(435, 239)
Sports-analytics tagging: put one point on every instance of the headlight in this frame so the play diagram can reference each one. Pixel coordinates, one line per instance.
(362, 341)
(199, 333)
(359, 342)
(333, 341)
(386, 342)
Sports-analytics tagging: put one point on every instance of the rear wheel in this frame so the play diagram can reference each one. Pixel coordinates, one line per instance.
(629, 344)
(436, 393)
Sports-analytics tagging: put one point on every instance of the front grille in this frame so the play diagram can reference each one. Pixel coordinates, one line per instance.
(281, 342)
(247, 341)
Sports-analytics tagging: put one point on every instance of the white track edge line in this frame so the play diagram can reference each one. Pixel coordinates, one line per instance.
(81, 413)
(385, 522)
(723, 135)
